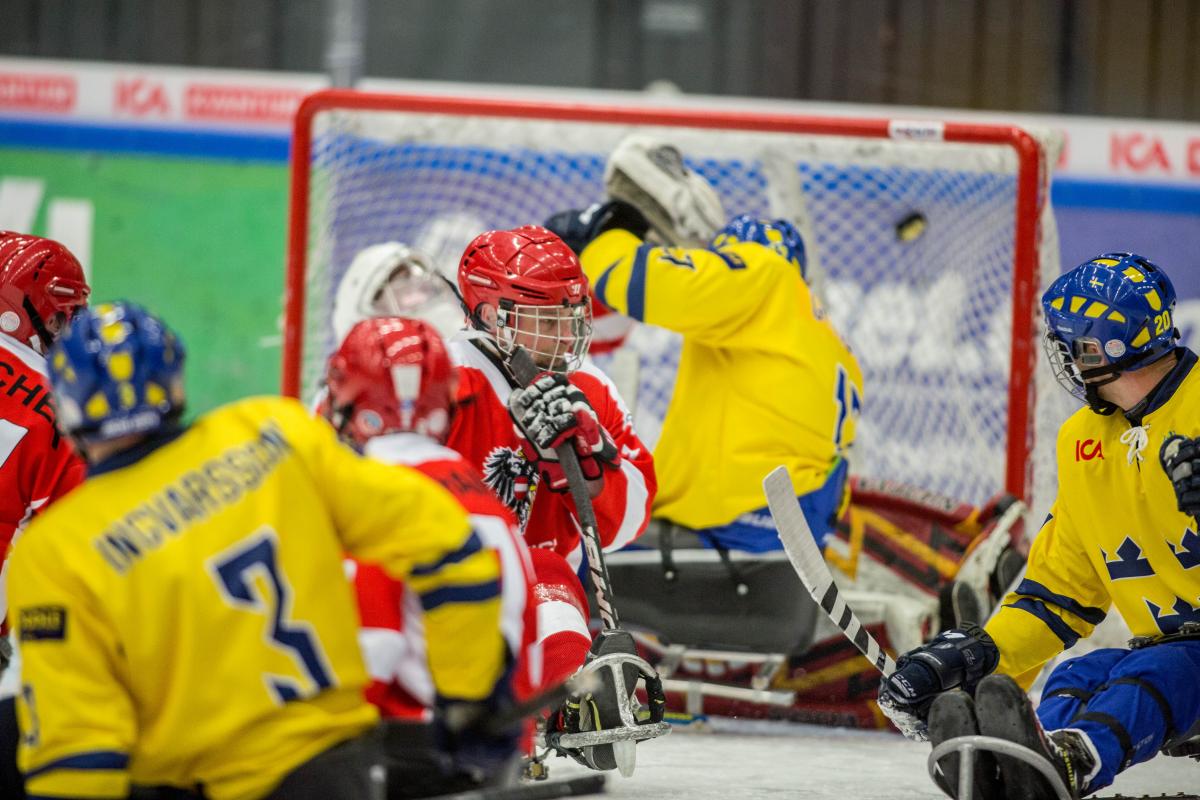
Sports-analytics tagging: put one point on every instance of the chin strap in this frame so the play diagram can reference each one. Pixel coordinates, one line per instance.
(39, 326)
(1096, 377)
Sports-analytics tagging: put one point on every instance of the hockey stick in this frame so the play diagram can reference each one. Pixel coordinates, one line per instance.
(524, 370)
(806, 559)
(572, 787)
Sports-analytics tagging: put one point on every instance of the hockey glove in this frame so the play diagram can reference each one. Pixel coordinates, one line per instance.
(551, 412)
(477, 751)
(578, 228)
(683, 208)
(957, 658)
(1180, 458)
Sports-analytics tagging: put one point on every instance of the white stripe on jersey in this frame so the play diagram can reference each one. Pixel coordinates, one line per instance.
(409, 449)
(465, 354)
(635, 504)
(556, 616)
(31, 357)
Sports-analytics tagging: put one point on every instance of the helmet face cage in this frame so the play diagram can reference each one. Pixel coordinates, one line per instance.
(406, 292)
(557, 337)
(1068, 362)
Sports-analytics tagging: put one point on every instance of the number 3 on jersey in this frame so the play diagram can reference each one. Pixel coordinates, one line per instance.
(845, 396)
(249, 578)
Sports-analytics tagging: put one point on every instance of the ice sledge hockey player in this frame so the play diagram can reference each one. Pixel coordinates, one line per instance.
(524, 287)
(1122, 531)
(763, 377)
(391, 396)
(183, 614)
(42, 286)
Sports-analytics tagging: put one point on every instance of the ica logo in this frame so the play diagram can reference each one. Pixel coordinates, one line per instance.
(1087, 449)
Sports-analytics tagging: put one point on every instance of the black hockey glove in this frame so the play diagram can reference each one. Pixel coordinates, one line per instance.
(476, 749)
(1180, 458)
(957, 658)
(550, 412)
(578, 228)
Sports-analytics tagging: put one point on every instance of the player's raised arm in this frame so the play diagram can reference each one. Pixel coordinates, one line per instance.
(656, 251)
(688, 291)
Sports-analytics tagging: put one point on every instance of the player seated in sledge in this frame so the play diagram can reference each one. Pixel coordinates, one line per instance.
(1122, 532)
(391, 396)
(183, 614)
(524, 287)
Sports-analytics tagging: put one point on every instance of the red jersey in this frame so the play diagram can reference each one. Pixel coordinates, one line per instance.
(392, 635)
(482, 431)
(37, 464)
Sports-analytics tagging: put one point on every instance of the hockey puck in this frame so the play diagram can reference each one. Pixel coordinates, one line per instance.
(911, 227)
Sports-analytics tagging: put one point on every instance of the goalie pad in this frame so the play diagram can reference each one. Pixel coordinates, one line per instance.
(681, 206)
(896, 538)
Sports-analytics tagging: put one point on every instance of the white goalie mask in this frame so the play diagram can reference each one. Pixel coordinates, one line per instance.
(394, 280)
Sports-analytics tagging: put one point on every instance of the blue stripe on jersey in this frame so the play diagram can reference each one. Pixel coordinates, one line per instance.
(96, 759)
(467, 593)
(469, 548)
(635, 293)
(1089, 614)
(600, 290)
(732, 260)
(1059, 628)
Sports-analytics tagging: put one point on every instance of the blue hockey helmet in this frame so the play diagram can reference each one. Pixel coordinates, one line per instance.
(1109, 315)
(779, 235)
(117, 370)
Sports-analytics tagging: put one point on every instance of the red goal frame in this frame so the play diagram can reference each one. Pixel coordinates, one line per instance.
(1029, 200)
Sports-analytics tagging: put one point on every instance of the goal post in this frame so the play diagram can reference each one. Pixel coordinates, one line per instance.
(931, 239)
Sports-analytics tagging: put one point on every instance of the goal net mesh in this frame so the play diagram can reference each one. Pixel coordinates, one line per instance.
(911, 245)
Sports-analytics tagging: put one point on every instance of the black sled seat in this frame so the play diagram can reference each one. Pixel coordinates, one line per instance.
(688, 594)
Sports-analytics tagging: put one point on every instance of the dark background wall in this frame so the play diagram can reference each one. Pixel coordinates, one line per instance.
(1135, 58)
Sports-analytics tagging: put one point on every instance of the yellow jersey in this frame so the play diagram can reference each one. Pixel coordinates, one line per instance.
(1114, 536)
(184, 619)
(764, 379)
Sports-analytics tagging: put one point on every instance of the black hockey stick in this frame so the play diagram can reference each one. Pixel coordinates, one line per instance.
(525, 370)
(806, 559)
(572, 787)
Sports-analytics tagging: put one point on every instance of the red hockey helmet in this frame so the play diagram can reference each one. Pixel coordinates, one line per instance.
(390, 375)
(39, 281)
(536, 286)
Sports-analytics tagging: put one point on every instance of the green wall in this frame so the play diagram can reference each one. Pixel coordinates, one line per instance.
(199, 242)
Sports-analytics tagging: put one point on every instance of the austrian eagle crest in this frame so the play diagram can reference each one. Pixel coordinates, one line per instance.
(512, 478)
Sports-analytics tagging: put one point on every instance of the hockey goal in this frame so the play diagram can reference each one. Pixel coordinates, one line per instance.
(929, 242)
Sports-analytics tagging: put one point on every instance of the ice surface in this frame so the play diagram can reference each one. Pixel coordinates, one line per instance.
(777, 760)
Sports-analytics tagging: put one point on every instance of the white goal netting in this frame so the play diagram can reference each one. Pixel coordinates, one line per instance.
(913, 239)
